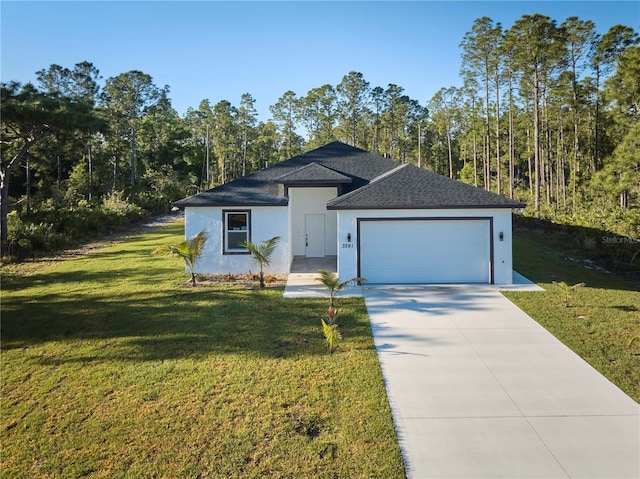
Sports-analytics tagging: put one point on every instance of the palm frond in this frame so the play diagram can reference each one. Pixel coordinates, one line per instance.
(267, 248)
(195, 244)
(333, 284)
(189, 251)
(261, 253)
(331, 334)
(329, 279)
(180, 249)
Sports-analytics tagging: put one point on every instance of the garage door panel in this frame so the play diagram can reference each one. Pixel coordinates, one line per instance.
(425, 251)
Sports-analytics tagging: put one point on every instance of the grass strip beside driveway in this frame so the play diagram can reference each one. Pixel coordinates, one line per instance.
(111, 367)
(602, 318)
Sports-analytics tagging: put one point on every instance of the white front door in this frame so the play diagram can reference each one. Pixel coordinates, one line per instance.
(314, 236)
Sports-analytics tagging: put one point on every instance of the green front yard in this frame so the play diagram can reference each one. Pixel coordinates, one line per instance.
(112, 368)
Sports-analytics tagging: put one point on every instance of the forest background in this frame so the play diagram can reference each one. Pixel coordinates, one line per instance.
(548, 114)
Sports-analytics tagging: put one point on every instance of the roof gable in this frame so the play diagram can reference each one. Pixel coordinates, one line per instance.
(313, 173)
(410, 187)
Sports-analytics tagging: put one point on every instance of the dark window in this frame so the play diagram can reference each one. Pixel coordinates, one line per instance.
(236, 230)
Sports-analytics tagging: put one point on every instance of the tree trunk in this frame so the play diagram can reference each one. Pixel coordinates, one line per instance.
(558, 161)
(547, 143)
(511, 139)
(59, 163)
(4, 206)
(90, 166)
(116, 162)
(475, 160)
(207, 148)
(485, 168)
(529, 162)
(561, 164)
(596, 126)
(244, 153)
(576, 138)
(354, 130)
(487, 132)
(498, 168)
(28, 175)
(5, 177)
(419, 146)
(624, 199)
(133, 159)
(376, 149)
(450, 154)
(536, 145)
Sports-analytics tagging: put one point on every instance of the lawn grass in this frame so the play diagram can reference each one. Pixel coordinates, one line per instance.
(602, 318)
(111, 367)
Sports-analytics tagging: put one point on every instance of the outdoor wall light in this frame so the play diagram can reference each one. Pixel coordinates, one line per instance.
(348, 237)
(501, 236)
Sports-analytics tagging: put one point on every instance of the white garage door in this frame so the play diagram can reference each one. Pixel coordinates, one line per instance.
(425, 251)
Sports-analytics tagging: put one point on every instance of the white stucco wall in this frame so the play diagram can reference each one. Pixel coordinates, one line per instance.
(266, 222)
(502, 250)
(305, 201)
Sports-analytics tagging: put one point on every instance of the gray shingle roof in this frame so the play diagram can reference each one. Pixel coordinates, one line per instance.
(264, 188)
(410, 187)
(368, 182)
(313, 173)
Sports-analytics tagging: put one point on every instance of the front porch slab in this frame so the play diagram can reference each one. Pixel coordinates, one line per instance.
(302, 280)
(302, 264)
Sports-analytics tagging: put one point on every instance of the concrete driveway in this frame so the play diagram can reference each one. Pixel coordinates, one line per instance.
(479, 390)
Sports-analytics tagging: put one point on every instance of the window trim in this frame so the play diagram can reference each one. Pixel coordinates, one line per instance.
(225, 213)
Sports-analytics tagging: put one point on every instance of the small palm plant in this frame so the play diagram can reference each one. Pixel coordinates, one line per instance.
(334, 285)
(331, 334)
(189, 250)
(262, 253)
(566, 291)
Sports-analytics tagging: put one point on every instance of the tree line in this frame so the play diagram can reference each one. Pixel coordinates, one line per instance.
(547, 114)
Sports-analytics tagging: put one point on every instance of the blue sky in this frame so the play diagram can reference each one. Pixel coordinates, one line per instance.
(219, 50)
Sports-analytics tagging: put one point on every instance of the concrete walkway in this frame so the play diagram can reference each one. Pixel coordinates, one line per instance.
(479, 390)
(302, 282)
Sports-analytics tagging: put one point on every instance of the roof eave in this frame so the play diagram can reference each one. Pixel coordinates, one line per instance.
(438, 207)
(317, 182)
(182, 205)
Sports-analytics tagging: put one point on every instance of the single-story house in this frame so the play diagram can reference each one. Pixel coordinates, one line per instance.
(385, 222)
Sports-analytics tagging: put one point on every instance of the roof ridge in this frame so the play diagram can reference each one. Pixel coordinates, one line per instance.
(374, 182)
(387, 173)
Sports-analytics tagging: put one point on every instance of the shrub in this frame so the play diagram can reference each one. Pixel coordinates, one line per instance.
(567, 291)
(25, 239)
(49, 228)
(119, 211)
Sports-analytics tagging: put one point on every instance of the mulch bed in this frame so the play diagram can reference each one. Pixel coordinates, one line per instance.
(250, 280)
